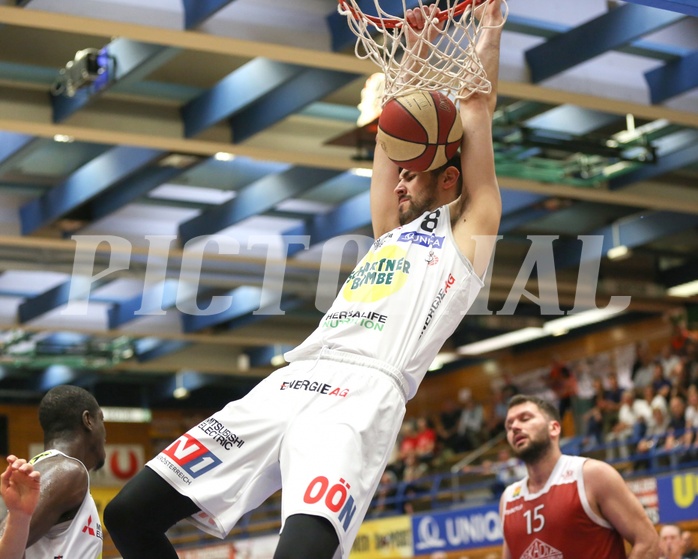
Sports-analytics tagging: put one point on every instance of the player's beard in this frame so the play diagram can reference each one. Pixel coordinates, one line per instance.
(420, 202)
(534, 451)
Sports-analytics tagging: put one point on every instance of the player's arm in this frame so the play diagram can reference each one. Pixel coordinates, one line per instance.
(19, 486)
(609, 495)
(506, 554)
(63, 488)
(386, 174)
(480, 205)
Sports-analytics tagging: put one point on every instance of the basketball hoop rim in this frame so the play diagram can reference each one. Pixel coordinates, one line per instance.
(393, 22)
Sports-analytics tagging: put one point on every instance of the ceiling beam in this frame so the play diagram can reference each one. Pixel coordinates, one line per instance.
(197, 12)
(127, 61)
(235, 92)
(189, 40)
(688, 7)
(89, 181)
(674, 78)
(614, 29)
(632, 232)
(665, 163)
(11, 144)
(254, 199)
(307, 86)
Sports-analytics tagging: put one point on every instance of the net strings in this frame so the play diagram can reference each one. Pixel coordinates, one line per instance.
(448, 62)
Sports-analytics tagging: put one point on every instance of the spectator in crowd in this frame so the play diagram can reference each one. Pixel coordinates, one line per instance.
(470, 425)
(509, 388)
(659, 381)
(689, 550)
(633, 416)
(497, 415)
(564, 384)
(447, 426)
(691, 435)
(657, 399)
(604, 414)
(670, 545)
(413, 473)
(669, 360)
(426, 440)
(507, 469)
(654, 435)
(384, 501)
(676, 429)
(642, 368)
(408, 439)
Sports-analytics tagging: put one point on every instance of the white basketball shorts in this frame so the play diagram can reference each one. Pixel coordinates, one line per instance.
(322, 429)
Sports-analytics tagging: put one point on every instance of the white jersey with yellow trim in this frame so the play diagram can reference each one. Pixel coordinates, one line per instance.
(79, 538)
(402, 301)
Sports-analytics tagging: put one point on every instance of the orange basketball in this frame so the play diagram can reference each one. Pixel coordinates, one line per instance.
(420, 131)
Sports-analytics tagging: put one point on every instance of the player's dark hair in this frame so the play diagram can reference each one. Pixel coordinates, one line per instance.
(543, 405)
(61, 409)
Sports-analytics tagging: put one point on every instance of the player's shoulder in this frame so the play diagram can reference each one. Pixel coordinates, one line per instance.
(54, 464)
(599, 473)
(514, 490)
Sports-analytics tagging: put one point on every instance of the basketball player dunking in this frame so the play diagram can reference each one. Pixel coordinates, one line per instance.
(323, 427)
(566, 507)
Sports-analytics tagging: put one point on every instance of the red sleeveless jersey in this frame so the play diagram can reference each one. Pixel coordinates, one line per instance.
(557, 522)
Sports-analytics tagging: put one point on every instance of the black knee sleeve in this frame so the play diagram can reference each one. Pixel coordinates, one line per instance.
(138, 517)
(307, 536)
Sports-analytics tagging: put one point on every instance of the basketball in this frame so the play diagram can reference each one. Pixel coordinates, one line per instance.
(420, 131)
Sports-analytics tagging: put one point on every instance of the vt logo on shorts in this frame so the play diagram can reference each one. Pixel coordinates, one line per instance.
(191, 455)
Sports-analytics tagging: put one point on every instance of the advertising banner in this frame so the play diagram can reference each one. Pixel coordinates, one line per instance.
(678, 496)
(458, 529)
(645, 489)
(384, 539)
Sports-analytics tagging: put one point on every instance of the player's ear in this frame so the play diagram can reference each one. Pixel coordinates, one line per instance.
(449, 177)
(555, 428)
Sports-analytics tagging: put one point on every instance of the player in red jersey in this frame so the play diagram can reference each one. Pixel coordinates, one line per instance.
(568, 507)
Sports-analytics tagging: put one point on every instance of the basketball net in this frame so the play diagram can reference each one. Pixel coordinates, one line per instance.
(441, 58)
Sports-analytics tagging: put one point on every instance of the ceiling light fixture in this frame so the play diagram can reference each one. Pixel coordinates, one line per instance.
(180, 392)
(618, 251)
(688, 289)
(556, 327)
(224, 156)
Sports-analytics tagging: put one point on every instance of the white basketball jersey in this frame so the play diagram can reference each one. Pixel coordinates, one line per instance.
(79, 538)
(402, 301)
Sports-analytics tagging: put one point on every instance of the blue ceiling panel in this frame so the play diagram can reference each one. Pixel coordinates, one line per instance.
(198, 11)
(151, 301)
(235, 92)
(614, 29)
(87, 182)
(688, 7)
(130, 190)
(254, 199)
(243, 300)
(44, 302)
(11, 144)
(674, 78)
(300, 91)
(337, 23)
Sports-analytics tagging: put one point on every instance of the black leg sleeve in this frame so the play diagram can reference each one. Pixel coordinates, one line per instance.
(138, 517)
(306, 536)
